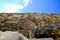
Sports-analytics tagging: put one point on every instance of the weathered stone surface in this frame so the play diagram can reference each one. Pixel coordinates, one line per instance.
(43, 39)
(9, 35)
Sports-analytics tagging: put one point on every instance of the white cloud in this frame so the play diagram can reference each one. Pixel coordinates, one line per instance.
(26, 2)
(12, 7)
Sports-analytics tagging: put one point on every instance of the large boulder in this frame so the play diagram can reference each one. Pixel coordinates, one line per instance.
(43, 39)
(27, 26)
(45, 31)
(9, 35)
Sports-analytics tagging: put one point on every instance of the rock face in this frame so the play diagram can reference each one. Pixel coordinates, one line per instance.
(9, 35)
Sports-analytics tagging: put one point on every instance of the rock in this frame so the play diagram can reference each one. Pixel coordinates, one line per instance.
(45, 32)
(27, 26)
(9, 35)
(57, 38)
(43, 39)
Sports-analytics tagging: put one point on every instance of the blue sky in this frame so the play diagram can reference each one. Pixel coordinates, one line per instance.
(43, 6)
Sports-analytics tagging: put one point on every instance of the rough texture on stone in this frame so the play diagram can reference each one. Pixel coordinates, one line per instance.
(9, 35)
(43, 39)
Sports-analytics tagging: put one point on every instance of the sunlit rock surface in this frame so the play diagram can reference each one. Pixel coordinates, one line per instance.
(41, 25)
(9, 35)
(43, 39)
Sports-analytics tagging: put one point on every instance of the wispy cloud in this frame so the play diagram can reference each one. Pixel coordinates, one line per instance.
(12, 7)
(26, 2)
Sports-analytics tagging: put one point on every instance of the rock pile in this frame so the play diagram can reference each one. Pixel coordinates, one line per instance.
(36, 24)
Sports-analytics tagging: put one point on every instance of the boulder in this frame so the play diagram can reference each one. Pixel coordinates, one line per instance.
(9, 35)
(45, 31)
(44, 39)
